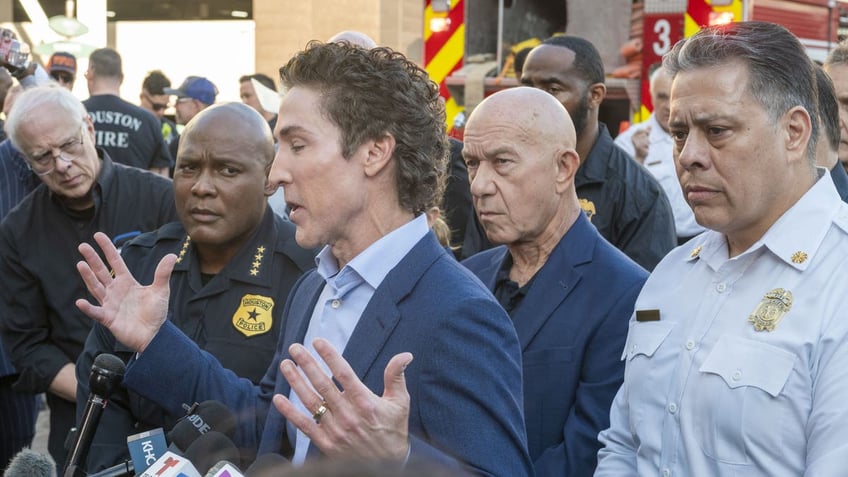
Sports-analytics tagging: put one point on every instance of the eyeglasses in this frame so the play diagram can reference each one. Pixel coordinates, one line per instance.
(156, 106)
(62, 77)
(43, 164)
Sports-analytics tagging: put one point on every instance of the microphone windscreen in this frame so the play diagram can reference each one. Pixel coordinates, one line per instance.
(268, 465)
(106, 373)
(224, 468)
(109, 363)
(203, 417)
(209, 449)
(28, 463)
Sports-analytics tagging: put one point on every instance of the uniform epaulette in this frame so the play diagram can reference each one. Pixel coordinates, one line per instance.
(170, 231)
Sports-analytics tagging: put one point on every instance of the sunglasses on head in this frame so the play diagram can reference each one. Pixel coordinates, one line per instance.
(62, 77)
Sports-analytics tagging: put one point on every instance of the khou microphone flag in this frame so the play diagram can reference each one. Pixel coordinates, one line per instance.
(146, 448)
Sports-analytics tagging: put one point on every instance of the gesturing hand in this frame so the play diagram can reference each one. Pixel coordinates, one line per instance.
(354, 422)
(641, 143)
(132, 312)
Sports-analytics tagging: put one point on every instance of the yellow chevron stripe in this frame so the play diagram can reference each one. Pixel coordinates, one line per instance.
(428, 15)
(689, 26)
(450, 54)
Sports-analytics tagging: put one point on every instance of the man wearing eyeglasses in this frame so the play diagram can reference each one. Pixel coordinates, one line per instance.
(130, 135)
(83, 191)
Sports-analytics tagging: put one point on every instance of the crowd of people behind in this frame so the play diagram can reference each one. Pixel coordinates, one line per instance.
(539, 299)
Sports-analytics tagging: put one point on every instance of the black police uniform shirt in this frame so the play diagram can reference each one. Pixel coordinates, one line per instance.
(130, 134)
(625, 203)
(41, 326)
(235, 316)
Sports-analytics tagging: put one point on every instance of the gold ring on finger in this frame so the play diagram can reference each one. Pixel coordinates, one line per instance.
(319, 413)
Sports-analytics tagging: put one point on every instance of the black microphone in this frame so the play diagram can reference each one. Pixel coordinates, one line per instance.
(124, 469)
(28, 463)
(209, 449)
(106, 374)
(268, 465)
(200, 419)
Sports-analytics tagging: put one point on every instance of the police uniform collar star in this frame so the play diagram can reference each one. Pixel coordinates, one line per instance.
(184, 249)
(257, 261)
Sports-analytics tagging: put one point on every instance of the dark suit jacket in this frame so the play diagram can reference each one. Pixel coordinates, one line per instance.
(572, 325)
(465, 381)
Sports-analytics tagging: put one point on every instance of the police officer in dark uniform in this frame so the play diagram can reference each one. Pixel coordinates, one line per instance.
(620, 197)
(236, 262)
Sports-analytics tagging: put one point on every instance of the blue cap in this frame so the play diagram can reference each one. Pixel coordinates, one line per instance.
(195, 87)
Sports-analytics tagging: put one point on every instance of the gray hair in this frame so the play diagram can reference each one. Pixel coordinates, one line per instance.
(781, 75)
(62, 100)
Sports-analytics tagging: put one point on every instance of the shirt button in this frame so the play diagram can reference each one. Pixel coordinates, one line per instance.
(737, 375)
(690, 345)
(721, 287)
(336, 303)
(666, 473)
(672, 408)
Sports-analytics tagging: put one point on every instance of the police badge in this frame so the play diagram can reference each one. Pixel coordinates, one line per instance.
(254, 315)
(588, 207)
(775, 305)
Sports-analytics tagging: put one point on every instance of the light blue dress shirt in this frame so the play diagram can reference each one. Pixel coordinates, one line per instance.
(707, 394)
(345, 296)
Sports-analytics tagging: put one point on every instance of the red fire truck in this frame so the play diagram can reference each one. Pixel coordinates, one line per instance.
(467, 42)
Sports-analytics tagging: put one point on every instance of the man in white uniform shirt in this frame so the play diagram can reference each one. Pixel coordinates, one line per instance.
(737, 354)
(651, 145)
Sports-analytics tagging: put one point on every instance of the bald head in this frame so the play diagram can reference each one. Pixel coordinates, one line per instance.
(232, 122)
(354, 38)
(519, 150)
(529, 113)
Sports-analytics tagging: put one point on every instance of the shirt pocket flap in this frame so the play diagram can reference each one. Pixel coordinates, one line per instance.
(745, 362)
(645, 337)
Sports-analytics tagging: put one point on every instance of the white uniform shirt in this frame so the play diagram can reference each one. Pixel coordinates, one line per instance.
(704, 393)
(660, 163)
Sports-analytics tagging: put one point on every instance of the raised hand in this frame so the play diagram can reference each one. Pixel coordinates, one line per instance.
(132, 312)
(353, 422)
(641, 143)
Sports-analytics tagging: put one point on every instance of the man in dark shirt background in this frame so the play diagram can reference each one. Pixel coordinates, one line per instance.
(130, 134)
(621, 198)
(82, 192)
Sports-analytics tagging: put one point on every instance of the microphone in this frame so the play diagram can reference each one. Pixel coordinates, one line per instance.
(268, 465)
(147, 447)
(106, 374)
(224, 468)
(124, 469)
(28, 463)
(210, 448)
(171, 465)
(200, 419)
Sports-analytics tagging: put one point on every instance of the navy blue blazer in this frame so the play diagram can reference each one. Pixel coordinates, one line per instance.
(572, 325)
(464, 383)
